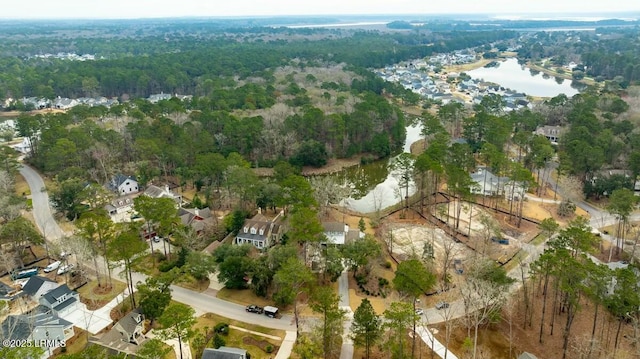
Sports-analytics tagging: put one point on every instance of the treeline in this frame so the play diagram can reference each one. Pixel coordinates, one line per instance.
(186, 67)
(608, 54)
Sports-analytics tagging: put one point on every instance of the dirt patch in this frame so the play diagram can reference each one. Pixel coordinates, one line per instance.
(333, 165)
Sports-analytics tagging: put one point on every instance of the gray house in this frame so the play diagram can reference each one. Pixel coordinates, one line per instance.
(260, 232)
(37, 286)
(39, 324)
(61, 300)
(125, 336)
(224, 353)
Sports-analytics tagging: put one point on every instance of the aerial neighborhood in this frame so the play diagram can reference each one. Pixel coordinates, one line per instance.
(291, 188)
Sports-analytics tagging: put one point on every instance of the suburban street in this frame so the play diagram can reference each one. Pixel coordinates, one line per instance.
(206, 302)
(200, 302)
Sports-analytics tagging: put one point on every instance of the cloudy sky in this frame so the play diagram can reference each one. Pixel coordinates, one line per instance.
(21, 9)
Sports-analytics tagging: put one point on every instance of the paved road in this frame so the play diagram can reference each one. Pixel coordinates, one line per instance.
(41, 206)
(346, 352)
(201, 302)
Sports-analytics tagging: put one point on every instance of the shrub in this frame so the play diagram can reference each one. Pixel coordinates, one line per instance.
(218, 341)
(566, 208)
(269, 349)
(221, 328)
(166, 266)
(387, 264)
(382, 282)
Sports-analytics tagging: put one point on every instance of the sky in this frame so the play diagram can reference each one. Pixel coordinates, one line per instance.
(127, 9)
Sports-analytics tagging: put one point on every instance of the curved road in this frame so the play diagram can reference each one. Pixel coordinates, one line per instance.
(41, 206)
(200, 302)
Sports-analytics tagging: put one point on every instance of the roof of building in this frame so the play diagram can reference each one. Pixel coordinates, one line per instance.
(22, 325)
(334, 227)
(34, 283)
(120, 179)
(258, 222)
(158, 192)
(526, 355)
(224, 353)
(52, 296)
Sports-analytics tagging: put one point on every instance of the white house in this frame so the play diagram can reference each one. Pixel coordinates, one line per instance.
(124, 185)
(339, 233)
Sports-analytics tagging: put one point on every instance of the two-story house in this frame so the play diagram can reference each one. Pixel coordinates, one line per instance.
(197, 219)
(124, 185)
(38, 324)
(61, 300)
(126, 336)
(260, 232)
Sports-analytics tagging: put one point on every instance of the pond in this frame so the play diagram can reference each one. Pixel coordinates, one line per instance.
(509, 74)
(374, 186)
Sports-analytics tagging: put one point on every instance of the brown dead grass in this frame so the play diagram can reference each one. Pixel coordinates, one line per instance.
(96, 297)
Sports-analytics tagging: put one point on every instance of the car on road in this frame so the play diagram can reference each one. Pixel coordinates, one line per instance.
(500, 240)
(156, 239)
(65, 268)
(442, 305)
(254, 309)
(271, 312)
(419, 311)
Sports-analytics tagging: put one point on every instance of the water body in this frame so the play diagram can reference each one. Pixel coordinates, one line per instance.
(374, 185)
(509, 74)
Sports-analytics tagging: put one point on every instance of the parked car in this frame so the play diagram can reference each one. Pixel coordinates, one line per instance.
(442, 305)
(500, 240)
(270, 312)
(65, 268)
(254, 309)
(53, 266)
(156, 239)
(419, 311)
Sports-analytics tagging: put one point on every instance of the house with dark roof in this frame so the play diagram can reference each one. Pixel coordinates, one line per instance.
(260, 231)
(61, 300)
(224, 353)
(197, 219)
(37, 286)
(124, 185)
(39, 324)
(7, 293)
(126, 336)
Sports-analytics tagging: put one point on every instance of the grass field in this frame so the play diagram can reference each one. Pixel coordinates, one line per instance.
(241, 339)
(96, 297)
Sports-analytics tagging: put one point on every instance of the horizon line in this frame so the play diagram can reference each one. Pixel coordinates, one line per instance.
(602, 16)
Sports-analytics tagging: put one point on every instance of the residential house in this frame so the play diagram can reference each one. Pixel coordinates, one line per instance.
(224, 353)
(197, 219)
(37, 286)
(39, 324)
(7, 293)
(486, 183)
(339, 233)
(260, 232)
(159, 97)
(64, 103)
(126, 335)
(553, 133)
(61, 300)
(121, 209)
(124, 185)
(162, 192)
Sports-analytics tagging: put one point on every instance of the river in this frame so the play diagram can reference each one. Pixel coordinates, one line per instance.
(510, 74)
